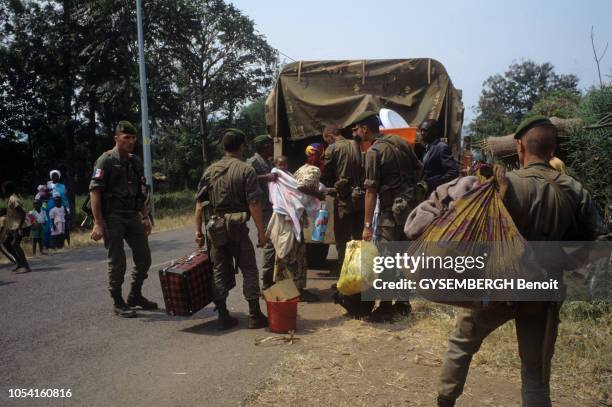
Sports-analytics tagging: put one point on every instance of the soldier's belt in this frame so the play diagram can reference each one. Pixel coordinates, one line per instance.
(235, 218)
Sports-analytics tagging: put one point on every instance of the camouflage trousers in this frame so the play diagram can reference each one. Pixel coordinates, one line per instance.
(347, 226)
(536, 331)
(387, 230)
(239, 249)
(126, 226)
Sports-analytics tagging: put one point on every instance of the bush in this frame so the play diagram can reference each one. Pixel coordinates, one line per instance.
(589, 152)
(582, 310)
(173, 203)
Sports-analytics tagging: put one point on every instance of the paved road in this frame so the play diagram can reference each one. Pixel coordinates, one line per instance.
(57, 331)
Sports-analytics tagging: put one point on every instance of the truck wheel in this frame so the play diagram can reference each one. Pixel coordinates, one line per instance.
(316, 254)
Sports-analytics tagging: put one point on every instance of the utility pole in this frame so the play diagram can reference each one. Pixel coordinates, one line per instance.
(144, 105)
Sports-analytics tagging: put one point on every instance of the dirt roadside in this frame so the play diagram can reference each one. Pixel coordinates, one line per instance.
(345, 362)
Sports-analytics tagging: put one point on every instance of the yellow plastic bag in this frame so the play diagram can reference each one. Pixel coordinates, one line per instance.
(357, 271)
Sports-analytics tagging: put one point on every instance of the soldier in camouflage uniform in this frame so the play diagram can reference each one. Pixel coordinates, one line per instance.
(261, 163)
(343, 171)
(391, 173)
(118, 193)
(230, 186)
(546, 206)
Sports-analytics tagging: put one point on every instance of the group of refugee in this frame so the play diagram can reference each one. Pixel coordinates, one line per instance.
(47, 224)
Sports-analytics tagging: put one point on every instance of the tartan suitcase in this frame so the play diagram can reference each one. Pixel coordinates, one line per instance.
(187, 284)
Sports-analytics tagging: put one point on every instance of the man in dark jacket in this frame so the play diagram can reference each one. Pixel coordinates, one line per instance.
(439, 166)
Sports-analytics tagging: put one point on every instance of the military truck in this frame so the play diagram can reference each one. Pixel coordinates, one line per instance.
(309, 95)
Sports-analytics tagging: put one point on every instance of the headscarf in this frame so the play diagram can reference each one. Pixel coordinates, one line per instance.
(314, 155)
(59, 174)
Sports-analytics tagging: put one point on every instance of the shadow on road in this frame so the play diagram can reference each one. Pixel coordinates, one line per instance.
(210, 327)
(160, 315)
(170, 245)
(6, 282)
(44, 269)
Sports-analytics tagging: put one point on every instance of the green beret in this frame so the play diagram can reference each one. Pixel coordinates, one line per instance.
(363, 117)
(262, 140)
(235, 131)
(529, 123)
(125, 127)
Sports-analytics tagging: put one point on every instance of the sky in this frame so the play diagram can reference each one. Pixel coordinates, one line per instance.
(473, 39)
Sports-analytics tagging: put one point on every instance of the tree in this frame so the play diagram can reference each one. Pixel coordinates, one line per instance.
(30, 97)
(227, 62)
(559, 103)
(252, 117)
(69, 73)
(507, 98)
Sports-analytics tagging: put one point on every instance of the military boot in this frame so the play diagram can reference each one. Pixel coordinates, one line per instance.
(308, 296)
(256, 318)
(444, 402)
(403, 308)
(136, 299)
(384, 312)
(121, 308)
(225, 321)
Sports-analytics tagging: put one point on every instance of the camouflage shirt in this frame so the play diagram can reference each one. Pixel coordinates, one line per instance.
(392, 168)
(262, 167)
(121, 181)
(342, 161)
(231, 185)
(548, 205)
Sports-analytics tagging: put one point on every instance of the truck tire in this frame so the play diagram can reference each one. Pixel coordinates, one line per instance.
(316, 254)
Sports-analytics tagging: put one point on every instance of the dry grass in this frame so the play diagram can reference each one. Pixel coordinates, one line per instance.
(356, 363)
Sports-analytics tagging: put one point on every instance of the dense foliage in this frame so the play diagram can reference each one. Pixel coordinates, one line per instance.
(69, 73)
(589, 150)
(507, 98)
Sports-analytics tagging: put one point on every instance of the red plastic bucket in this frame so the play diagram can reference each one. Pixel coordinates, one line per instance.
(282, 315)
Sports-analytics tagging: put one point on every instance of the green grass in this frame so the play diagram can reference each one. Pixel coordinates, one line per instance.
(173, 203)
(168, 204)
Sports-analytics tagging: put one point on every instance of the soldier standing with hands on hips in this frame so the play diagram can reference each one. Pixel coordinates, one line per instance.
(118, 192)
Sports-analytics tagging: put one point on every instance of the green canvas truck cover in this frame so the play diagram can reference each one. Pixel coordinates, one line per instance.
(308, 95)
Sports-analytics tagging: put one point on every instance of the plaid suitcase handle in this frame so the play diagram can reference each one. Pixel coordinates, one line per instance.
(187, 259)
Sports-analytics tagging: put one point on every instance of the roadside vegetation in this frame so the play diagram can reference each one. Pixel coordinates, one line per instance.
(173, 210)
